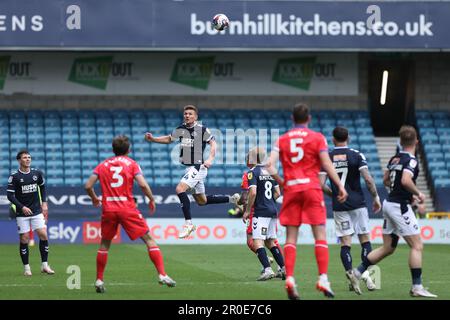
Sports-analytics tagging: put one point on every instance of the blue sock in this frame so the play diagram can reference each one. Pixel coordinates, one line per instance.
(262, 256)
(43, 248)
(366, 247)
(277, 256)
(212, 199)
(346, 257)
(416, 274)
(185, 205)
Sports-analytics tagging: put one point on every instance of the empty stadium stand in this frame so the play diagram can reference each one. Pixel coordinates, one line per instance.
(67, 144)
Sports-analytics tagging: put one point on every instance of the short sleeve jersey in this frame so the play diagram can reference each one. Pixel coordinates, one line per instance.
(265, 205)
(400, 164)
(193, 141)
(299, 151)
(116, 177)
(25, 187)
(348, 163)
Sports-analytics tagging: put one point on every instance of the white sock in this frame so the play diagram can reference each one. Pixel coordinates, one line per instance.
(188, 221)
(27, 267)
(417, 286)
(44, 264)
(323, 277)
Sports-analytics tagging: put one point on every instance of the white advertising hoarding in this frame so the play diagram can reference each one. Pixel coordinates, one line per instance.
(233, 231)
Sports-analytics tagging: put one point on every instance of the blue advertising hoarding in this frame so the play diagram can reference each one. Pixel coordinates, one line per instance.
(254, 25)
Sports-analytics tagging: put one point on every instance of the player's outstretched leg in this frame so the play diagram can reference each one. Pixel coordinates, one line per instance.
(156, 257)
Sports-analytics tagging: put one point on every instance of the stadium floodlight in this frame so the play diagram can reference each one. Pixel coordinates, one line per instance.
(384, 83)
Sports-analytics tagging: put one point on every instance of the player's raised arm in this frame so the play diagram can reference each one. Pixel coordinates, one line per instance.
(328, 167)
(89, 187)
(163, 139)
(147, 191)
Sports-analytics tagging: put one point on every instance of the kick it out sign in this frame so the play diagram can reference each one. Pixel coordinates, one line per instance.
(320, 74)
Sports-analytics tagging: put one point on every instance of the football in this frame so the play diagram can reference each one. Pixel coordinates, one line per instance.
(220, 22)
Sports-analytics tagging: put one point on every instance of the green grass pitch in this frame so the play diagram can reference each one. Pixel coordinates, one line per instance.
(205, 272)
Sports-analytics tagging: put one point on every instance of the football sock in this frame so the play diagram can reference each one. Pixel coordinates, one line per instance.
(43, 248)
(24, 253)
(321, 251)
(416, 274)
(366, 247)
(346, 257)
(212, 199)
(276, 253)
(290, 254)
(157, 259)
(102, 258)
(185, 205)
(262, 256)
(250, 245)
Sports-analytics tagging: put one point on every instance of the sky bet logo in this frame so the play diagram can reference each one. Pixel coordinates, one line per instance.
(95, 71)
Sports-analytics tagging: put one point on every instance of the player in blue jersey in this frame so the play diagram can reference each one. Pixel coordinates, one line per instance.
(193, 138)
(262, 194)
(351, 216)
(399, 218)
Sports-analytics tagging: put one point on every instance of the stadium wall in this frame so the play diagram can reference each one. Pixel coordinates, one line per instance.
(432, 92)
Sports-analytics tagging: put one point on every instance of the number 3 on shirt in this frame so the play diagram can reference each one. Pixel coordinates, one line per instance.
(117, 177)
(295, 148)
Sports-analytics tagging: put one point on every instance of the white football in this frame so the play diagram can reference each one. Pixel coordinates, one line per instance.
(220, 22)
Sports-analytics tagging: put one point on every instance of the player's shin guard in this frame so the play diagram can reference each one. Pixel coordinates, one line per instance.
(102, 259)
(185, 205)
(416, 275)
(276, 253)
(321, 251)
(290, 254)
(157, 259)
(250, 245)
(262, 256)
(346, 257)
(278, 246)
(24, 253)
(43, 248)
(212, 199)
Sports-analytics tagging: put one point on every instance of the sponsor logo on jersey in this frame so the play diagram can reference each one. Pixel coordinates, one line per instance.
(187, 142)
(339, 157)
(29, 188)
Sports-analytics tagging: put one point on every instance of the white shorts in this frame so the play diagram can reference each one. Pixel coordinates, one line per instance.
(264, 228)
(395, 222)
(350, 222)
(24, 224)
(195, 179)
